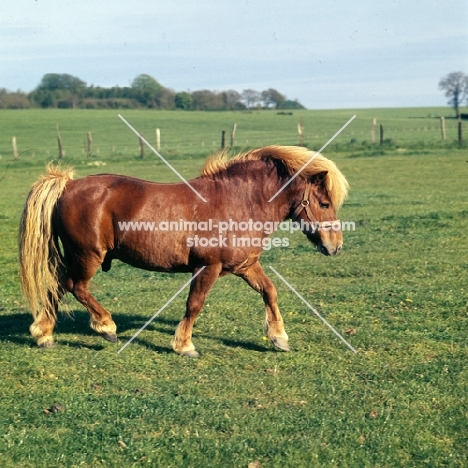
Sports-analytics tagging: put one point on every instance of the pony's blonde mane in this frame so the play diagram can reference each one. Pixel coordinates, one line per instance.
(294, 158)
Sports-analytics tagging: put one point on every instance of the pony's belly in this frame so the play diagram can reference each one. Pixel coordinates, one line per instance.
(153, 251)
(178, 252)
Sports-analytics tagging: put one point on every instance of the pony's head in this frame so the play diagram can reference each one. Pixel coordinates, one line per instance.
(323, 189)
(316, 215)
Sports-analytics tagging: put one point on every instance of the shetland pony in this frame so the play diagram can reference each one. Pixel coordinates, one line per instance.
(69, 228)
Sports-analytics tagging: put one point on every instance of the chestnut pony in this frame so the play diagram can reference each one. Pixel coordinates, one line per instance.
(70, 228)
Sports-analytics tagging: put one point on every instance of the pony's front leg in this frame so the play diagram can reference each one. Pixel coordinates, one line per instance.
(274, 325)
(199, 289)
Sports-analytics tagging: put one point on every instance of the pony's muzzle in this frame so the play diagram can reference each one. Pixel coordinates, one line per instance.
(329, 251)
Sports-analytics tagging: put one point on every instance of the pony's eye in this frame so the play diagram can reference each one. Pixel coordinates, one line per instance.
(324, 205)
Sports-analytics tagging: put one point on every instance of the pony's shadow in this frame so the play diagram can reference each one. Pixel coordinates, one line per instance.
(77, 323)
(14, 327)
(241, 344)
(171, 325)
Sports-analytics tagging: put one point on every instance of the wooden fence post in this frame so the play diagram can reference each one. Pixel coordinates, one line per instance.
(381, 135)
(300, 131)
(89, 138)
(142, 147)
(15, 148)
(59, 141)
(223, 139)
(374, 124)
(233, 135)
(158, 139)
(460, 131)
(442, 128)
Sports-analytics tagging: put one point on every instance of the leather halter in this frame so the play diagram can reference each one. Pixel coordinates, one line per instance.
(305, 205)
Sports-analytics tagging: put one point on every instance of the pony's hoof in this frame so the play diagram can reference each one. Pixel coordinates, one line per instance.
(281, 343)
(46, 344)
(191, 354)
(112, 337)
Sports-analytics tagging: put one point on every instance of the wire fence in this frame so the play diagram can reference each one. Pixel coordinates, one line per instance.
(192, 136)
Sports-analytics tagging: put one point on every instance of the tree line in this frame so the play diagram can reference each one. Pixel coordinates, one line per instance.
(69, 92)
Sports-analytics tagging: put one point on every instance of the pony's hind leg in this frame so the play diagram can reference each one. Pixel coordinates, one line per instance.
(274, 325)
(77, 283)
(101, 319)
(199, 289)
(44, 323)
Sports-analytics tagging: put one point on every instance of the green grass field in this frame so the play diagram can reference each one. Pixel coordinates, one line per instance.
(185, 134)
(400, 283)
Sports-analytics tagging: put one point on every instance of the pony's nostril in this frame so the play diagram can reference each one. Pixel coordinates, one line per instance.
(323, 250)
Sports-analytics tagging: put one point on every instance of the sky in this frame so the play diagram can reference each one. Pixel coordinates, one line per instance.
(332, 54)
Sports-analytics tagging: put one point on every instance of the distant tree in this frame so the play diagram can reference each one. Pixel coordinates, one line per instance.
(231, 99)
(272, 98)
(183, 100)
(63, 81)
(146, 90)
(291, 105)
(251, 98)
(455, 87)
(166, 99)
(15, 100)
(42, 98)
(206, 100)
(58, 90)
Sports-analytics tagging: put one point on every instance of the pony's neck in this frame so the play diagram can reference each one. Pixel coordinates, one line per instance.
(256, 182)
(288, 195)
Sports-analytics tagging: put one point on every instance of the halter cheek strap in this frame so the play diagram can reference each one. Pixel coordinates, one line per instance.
(305, 205)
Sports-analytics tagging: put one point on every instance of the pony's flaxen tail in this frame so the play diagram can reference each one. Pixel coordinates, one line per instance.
(39, 256)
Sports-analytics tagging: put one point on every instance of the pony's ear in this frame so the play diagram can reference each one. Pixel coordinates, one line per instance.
(317, 179)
